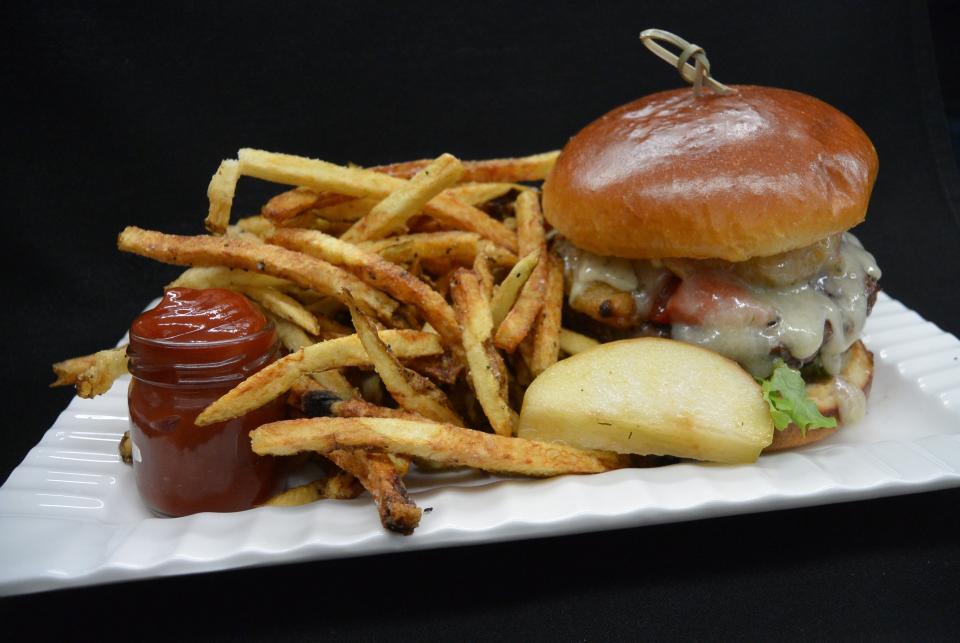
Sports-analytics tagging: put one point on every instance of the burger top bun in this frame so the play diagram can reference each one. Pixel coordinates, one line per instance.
(749, 174)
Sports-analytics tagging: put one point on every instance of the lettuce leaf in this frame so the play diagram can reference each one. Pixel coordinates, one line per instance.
(786, 394)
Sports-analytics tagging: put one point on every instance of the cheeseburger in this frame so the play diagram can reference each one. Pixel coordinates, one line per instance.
(723, 220)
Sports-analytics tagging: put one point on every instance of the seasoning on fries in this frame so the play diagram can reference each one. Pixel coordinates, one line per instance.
(392, 291)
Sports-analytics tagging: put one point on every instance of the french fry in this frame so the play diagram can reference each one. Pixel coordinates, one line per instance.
(284, 307)
(492, 171)
(546, 332)
(376, 272)
(479, 193)
(487, 371)
(331, 329)
(107, 366)
(293, 203)
(443, 369)
(357, 182)
(453, 213)
(275, 379)
(69, 370)
(333, 380)
(303, 207)
(379, 475)
(291, 336)
(441, 443)
(220, 277)
(362, 408)
(307, 272)
(505, 295)
(346, 212)
(256, 225)
(481, 266)
(572, 342)
(220, 194)
(457, 247)
(530, 236)
(125, 448)
(412, 391)
(339, 486)
(236, 232)
(318, 175)
(392, 213)
(525, 168)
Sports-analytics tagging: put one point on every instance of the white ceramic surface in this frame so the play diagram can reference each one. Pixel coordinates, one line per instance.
(70, 514)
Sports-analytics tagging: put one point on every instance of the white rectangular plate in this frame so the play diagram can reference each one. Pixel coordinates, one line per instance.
(70, 514)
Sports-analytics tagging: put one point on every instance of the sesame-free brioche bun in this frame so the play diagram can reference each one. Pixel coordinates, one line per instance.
(750, 174)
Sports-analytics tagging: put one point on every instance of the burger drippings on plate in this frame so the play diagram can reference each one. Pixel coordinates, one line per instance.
(806, 306)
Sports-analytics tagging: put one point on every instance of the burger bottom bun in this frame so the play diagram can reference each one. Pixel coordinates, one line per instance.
(858, 372)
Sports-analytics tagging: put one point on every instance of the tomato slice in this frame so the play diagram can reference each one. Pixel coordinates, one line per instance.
(715, 299)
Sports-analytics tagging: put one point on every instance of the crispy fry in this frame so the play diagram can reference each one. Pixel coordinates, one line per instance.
(315, 174)
(256, 225)
(293, 203)
(361, 408)
(505, 295)
(274, 380)
(453, 213)
(220, 277)
(103, 367)
(125, 448)
(412, 391)
(525, 168)
(457, 247)
(444, 369)
(376, 271)
(69, 370)
(236, 232)
(346, 212)
(379, 475)
(339, 486)
(357, 182)
(530, 231)
(392, 213)
(306, 272)
(481, 266)
(333, 380)
(546, 334)
(479, 193)
(291, 336)
(440, 443)
(284, 307)
(487, 371)
(502, 173)
(220, 194)
(572, 343)
(530, 236)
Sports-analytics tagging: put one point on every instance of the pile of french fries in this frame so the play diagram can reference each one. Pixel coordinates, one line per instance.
(415, 301)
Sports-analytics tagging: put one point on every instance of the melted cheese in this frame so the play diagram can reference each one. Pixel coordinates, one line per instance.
(851, 401)
(836, 294)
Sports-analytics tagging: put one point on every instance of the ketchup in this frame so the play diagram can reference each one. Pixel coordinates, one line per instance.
(189, 350)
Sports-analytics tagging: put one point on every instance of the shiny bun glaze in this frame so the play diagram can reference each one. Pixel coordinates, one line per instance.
(752, 174)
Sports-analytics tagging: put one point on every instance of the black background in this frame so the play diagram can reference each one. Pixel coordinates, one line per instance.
(118, 114)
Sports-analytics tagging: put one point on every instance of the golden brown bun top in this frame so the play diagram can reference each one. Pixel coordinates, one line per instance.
(754, 173)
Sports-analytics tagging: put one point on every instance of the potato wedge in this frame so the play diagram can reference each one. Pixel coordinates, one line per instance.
(650, 396)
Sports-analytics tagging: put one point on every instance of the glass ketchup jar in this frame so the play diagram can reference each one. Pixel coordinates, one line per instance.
(186, 352)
